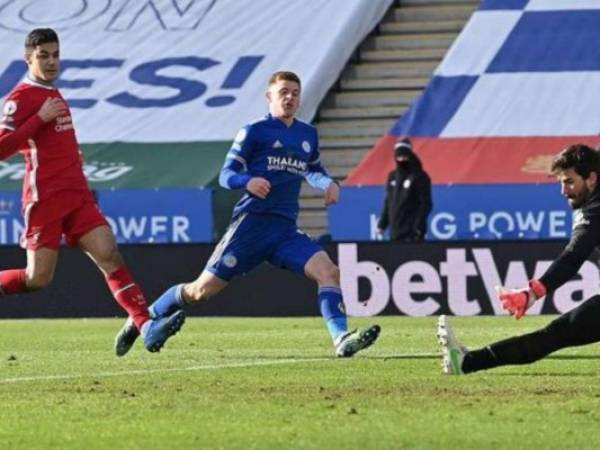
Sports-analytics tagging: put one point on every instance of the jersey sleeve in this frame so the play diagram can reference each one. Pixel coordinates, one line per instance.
(234, 174)
(19, 122)
(586, 235)
(316, 175)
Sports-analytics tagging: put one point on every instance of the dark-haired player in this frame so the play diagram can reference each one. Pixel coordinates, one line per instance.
(577, 169)
(57, 201)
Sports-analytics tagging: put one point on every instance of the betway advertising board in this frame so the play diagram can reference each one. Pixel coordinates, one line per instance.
(378, 278)
(184, 71)
(463, 212)
(452, 278)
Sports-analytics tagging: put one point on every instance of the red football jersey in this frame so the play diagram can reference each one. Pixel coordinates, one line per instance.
(51, 152)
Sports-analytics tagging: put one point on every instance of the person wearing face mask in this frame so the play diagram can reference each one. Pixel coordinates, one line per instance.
(407, 201)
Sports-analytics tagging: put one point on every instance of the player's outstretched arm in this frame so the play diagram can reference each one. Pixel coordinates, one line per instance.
(585, 237)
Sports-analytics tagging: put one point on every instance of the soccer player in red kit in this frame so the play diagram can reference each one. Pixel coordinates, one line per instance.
(56, 198)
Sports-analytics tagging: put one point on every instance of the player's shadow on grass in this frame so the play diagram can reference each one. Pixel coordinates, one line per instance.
(548, 373)
(557, 372)
(573, 357)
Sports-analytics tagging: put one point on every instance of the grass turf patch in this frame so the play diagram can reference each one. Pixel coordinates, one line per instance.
(275, 384)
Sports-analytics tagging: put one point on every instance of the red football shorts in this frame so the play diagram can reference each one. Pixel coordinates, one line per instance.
(71, 214)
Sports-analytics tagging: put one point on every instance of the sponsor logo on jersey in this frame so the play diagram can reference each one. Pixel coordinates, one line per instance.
(579, 219)
(63, 123)
(277, 144)
(287, 163)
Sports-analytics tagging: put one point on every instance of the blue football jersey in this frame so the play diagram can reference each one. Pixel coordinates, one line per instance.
(283, 155)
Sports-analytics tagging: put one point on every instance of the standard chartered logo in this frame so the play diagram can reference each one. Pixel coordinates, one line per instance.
(96, 172)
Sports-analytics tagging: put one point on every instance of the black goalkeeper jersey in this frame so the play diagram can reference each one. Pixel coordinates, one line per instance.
(584, 239)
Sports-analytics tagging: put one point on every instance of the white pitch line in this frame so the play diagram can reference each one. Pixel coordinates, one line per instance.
(162, 370)
(240, 365)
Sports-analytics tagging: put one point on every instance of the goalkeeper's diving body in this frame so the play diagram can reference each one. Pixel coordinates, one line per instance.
(577, 168)
(269, 159)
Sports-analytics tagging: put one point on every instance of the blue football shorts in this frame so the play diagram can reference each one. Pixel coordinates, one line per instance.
(254, 238)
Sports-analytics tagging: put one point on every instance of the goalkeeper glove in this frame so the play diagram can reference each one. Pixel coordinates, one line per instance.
(518, 301)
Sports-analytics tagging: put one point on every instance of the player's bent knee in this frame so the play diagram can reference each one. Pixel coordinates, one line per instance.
(329, 275)
(335, 273)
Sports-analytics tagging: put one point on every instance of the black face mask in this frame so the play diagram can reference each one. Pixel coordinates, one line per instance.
(404, 165)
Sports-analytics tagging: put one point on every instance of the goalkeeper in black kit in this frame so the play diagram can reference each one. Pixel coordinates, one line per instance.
(577, 169)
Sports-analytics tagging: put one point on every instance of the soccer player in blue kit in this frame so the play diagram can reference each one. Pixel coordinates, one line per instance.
(269, 159)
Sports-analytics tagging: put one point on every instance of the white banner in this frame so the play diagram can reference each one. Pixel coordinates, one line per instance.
(177, 71)
(531, 70)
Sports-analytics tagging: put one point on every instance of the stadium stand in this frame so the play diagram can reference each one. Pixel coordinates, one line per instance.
(389, 70)
(517, 85)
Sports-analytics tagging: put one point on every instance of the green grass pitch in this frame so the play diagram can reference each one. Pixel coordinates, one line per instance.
(274, 384)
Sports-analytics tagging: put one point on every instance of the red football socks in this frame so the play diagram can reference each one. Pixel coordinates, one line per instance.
(129, 295)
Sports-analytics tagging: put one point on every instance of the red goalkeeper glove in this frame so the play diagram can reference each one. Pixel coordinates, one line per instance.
(518, 301)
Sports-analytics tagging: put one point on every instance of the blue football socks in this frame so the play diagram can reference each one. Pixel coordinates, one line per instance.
(332, 310)
(170, 301)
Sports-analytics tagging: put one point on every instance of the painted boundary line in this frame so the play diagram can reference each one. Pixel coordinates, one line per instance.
(161, 370)
(240, 365)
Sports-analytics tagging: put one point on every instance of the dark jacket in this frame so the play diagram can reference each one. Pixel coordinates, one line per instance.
(407, 201)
